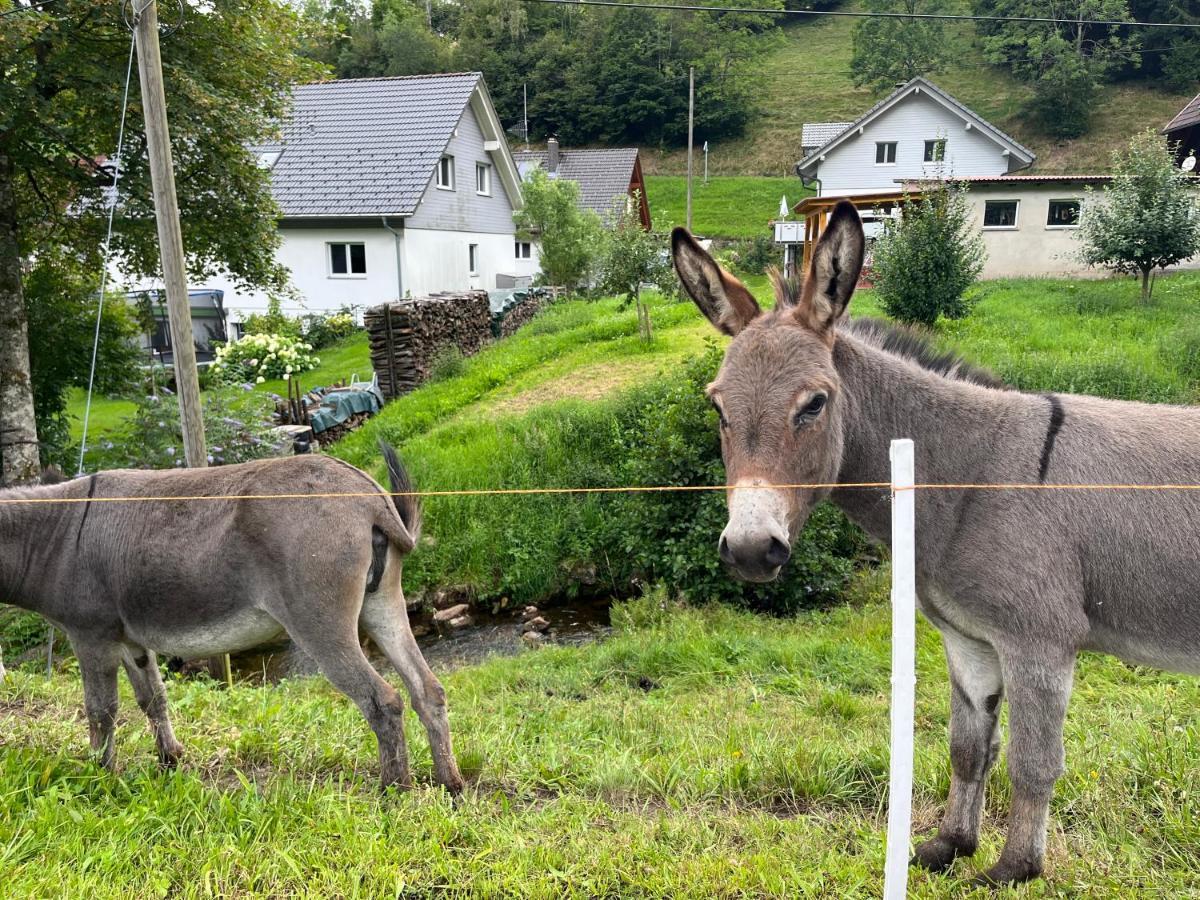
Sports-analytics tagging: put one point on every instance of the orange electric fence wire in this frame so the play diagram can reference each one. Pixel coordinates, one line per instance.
(633, 489)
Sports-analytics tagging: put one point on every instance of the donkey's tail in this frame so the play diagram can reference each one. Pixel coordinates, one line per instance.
(407, 504)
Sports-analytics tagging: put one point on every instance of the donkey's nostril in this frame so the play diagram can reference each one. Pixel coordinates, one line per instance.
(724, 552)
(778, 553)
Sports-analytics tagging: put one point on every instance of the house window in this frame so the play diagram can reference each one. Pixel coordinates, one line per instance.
(885, 153)
(935, 151)
(1000, 214)
(483, 179)
(1063, 214)
(524, 250)
(445, 173)
(347, 260)
(473, 258)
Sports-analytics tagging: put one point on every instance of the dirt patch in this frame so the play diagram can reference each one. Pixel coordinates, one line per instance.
(589, 383)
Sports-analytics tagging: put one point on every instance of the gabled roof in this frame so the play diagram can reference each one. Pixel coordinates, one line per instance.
(1186, 117)
(817, 134)
(602, 175)
(1017, 149)
(364, 147)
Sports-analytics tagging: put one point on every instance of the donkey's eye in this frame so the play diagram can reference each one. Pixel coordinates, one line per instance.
(810, 411)
(720, 415)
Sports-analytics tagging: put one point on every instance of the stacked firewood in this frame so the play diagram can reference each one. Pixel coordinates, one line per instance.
(405, 337)
(521, 313)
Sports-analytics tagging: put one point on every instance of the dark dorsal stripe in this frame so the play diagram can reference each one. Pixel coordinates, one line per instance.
(92, 479)
(1056, 420)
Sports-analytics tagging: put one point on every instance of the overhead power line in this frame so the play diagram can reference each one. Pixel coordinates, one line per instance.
(683, 7)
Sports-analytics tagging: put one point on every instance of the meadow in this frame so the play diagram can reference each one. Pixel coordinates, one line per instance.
(699, 751)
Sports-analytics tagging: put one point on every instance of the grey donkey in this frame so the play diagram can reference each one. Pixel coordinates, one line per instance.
(1017, 582)
(194, 578)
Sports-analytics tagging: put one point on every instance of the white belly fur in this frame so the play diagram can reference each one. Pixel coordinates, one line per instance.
(244, 629)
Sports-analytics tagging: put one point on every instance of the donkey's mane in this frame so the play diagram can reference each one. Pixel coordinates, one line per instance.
(906, 341)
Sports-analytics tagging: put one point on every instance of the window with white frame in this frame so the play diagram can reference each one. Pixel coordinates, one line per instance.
(347, 260)
(1063, 214)
(524, 250)
(885, 153)
(483, 179)
(935, 150)
(1000, 213)
(445, 173)
(473, 258)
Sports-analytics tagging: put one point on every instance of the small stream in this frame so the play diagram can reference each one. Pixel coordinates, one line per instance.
(572, 623)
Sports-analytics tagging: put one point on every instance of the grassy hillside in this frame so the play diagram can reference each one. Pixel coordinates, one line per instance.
(728, 206)
(808, 79)
(697, 753)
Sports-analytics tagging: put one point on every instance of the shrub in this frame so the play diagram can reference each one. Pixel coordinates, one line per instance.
(273, 321)
(322, 331)
(237, 425)
(447, 362)
(923, 264)
(257, 357)
(753, 256)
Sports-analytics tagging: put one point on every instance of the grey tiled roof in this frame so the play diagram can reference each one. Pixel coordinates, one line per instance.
(1189, 115)
(817, 134)
(367, 146)
(602, 175)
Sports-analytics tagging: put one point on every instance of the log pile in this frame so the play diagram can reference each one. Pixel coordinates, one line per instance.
(406, 336)
(522, 312)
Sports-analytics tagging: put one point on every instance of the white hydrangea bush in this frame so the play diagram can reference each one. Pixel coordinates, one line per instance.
(258, 357)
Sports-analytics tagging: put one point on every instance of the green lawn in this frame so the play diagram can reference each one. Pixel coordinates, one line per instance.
(727, 207)
(697, 753)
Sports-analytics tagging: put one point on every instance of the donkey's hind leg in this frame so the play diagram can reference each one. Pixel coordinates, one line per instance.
(142, 668)
(976, 688)
(98, 662)
(386, 621)
(334, 647)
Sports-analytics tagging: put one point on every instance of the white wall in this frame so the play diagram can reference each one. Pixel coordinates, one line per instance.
(850, 167)
(438, 260)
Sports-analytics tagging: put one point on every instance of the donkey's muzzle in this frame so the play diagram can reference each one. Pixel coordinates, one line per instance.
(755, 560)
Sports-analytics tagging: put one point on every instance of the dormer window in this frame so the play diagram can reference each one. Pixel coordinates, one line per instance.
(445, 173)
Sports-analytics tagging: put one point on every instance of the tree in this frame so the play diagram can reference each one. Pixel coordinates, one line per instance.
(568, 238)
(632, 257)
(228, 65)
(1148, 218)
(888, 51)
(924, 263)
(1064, 61)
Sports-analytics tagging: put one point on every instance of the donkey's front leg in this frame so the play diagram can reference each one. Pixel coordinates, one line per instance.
(1038, 683)
(975, 692)
(98, 662)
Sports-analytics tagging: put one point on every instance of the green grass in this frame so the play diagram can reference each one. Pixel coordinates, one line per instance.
(726, 207)
(697, 753)
(808, 78)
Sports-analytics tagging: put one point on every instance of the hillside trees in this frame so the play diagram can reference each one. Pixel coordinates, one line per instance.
(228, 65)
(888, 51)
(1148, 218)
(1064, 61)
(588, 74)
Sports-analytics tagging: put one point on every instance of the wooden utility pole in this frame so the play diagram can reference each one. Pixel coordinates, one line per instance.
(170, 238)
(691, 116)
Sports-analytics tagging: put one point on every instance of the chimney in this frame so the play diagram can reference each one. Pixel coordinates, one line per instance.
(552, 156)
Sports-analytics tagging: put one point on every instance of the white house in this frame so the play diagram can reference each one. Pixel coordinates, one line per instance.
(918, 131)
(390, 187)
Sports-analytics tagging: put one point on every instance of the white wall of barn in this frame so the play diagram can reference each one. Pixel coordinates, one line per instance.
(850, 167)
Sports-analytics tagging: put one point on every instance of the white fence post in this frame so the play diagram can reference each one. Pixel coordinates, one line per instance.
(904, 669)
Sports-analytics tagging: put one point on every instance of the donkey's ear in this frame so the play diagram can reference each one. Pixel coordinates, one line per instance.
(836, 263)
(724, 300)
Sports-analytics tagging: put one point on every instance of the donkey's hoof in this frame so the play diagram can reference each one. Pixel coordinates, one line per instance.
(454, 786)
(168, 757)
(938, 853)
(1003, 874)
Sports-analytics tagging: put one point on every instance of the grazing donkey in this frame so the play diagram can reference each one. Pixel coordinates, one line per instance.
(203, 577)
(1018, 582)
